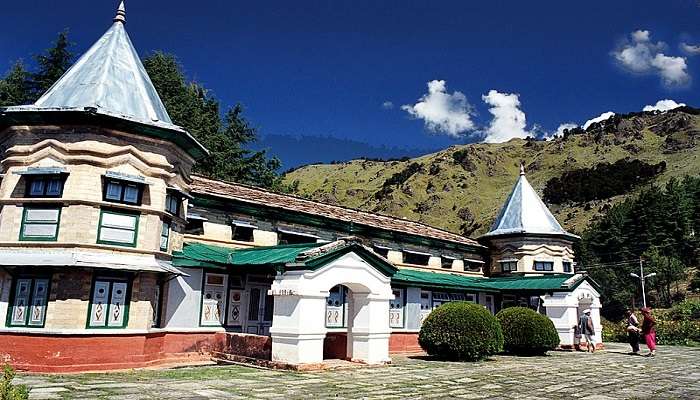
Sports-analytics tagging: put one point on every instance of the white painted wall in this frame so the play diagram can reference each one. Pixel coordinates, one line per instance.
(184, 300)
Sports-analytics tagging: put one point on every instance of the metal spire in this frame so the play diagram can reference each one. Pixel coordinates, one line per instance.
(121, 13)
(522, 169)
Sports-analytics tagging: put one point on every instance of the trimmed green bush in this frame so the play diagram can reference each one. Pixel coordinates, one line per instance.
(461, 331)
(527, 332)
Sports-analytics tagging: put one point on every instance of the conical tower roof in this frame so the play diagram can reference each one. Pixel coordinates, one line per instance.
(108, 84)
(525, 213)
(111, 78)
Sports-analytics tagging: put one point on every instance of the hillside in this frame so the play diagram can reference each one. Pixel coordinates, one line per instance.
(462, 187)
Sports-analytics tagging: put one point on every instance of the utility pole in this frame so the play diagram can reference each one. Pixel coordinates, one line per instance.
(642, 278)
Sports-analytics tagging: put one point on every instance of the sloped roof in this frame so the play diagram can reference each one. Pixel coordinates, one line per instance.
(199, 254)
(107, 84)
(525, 213)
(261, 197)
(294, 256)
(514, 283)
(109, 77)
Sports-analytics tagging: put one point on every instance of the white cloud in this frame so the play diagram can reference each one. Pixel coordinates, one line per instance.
(690, 49)
(602, 117)
(663, 105)
(642, 56)
(387, 105)
(560, 131)
(443, 112)
(508, 120)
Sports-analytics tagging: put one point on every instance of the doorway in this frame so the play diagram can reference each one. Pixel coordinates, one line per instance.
(260, 310)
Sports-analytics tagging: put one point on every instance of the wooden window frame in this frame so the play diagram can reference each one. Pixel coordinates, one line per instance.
(567, 266)
(32, 285)
(543, 269)
(30, 179)
(173, 198)
(24, 238)
(127, 300)
(122, 191)
(165, 223)
(509, 269)
(123, 213)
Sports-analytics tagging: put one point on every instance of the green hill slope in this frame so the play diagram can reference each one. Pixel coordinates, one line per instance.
(462, 187)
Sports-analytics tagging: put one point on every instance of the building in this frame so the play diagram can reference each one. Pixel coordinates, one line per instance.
(114, 255)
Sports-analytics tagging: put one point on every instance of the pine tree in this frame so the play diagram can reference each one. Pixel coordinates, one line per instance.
(191, 106)
(51, 65)
(15, 87)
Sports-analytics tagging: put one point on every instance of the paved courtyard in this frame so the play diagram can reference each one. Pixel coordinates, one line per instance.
(612, 374)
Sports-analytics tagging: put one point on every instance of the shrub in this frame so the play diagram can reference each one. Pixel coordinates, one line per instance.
(686, 310)
(461, 331)
(614, 331)
(527, 332)
(8, 391)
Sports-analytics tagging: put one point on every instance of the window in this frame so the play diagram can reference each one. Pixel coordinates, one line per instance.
(410, 257)
(40, 224)
(426, 305)
(45, 186)
(473, 265)
(164, 235)
(109, 303)
(381, 250)
(213, 300)
(172, 203)
(28, 306)
(396, 309)
(156, 304)
(242, 231)
(288, 237)
(118, 228)
(509, 266)
(544, 266)
(335, 307)
(123, 192)
(567, 266)
(447, 262)
(195, 224)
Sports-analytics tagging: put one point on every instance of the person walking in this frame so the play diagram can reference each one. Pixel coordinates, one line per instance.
(585, 326)
(633, 331)
(649, 331)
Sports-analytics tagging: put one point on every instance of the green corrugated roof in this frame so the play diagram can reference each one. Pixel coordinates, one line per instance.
(436, 280)
(206, 255)
(546, 283)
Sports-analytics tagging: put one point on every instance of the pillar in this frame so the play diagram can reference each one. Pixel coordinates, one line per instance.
(368, 330)
(298, 329)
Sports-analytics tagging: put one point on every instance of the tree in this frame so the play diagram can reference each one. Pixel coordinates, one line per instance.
(669, 270)
(191, 106)
(52, 65)
(15, 87)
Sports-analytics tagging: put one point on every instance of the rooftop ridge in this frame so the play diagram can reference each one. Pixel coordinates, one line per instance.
(455, 236)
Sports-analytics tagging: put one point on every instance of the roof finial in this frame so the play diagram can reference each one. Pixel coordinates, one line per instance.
(522, 169)
(121, 13)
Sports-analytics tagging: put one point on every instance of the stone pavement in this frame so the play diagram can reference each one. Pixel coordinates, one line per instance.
(610, 374)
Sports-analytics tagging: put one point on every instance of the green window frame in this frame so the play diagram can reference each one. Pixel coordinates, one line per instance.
(37, 223)
(29, 300)
(109, 303)
(164, 235)
(114, 228)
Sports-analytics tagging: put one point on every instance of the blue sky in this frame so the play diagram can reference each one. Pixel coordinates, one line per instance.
(328, 68)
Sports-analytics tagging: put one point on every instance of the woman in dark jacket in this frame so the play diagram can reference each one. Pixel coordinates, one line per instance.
(649, 331)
